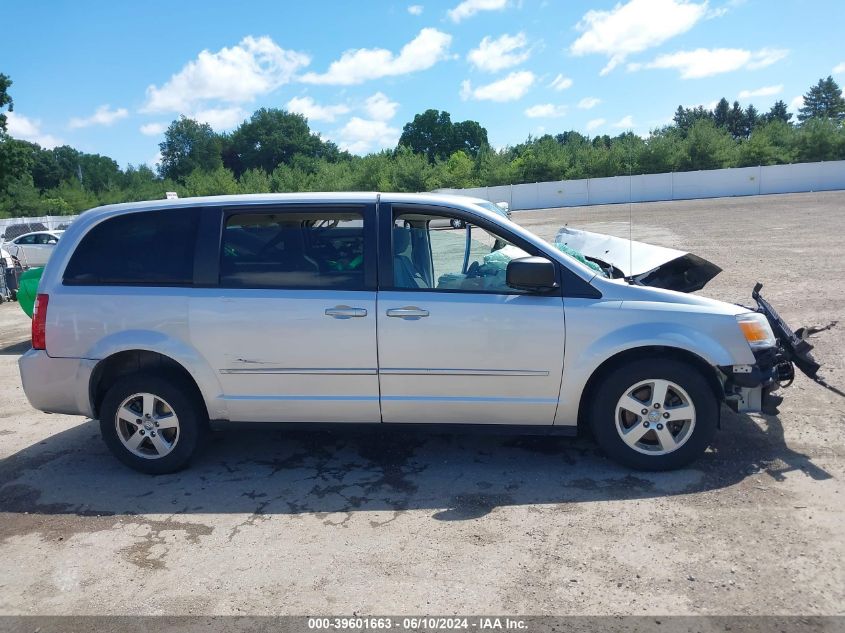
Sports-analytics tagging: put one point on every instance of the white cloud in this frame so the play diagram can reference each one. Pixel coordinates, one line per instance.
(765, 91)
(493, 55)
(313, 111)
(510, 88)
(561, 83)
(766, 57)
(103, 115)
(256, 66)
(26, 129)
(545, 111)
(796, 103)
(839, 68)
(625, 123)
(594, 123)
(155, 160)
(415, 9)
(153, 129)
(634, 27)
(380, 107)
(220, 118)
(359, 65)
(589, 102)
(469, 8)
(361, 135)
(706, 62)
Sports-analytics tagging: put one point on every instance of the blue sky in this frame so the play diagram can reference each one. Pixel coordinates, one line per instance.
(107, 77)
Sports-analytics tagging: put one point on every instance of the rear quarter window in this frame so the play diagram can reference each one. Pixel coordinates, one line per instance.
(314, 249)
(146, 248)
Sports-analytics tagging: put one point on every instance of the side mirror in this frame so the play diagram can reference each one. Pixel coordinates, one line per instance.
(531, 273)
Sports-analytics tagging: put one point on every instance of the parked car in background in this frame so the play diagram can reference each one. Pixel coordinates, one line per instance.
(9, 269)
(11, 231)
(159, 318)
(34, 249)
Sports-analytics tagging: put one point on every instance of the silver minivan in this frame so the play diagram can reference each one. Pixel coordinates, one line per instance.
(163, 318)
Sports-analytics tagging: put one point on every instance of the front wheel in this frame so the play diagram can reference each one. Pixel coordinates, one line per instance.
(152, 424)
(654, 414)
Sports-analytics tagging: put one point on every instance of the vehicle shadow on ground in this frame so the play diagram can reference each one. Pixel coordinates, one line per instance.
(16, 349)
(458, 477)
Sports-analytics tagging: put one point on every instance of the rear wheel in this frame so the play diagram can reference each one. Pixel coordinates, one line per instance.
(152, 424)
(654, 414)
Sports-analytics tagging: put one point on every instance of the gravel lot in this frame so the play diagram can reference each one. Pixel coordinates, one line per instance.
(387, 522)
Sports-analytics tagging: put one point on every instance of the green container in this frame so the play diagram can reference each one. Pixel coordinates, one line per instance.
(28, 288)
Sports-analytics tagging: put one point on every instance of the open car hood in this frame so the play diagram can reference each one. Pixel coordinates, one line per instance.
(639, 262)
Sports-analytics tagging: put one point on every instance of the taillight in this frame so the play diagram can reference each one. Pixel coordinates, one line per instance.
(39, 322)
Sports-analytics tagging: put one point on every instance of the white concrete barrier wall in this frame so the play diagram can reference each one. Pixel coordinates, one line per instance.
(715, 183)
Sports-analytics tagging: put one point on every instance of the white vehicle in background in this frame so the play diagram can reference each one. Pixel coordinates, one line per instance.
(34, 249)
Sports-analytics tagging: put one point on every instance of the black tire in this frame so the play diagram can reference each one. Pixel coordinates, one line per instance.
(616, 384)
(186, 404)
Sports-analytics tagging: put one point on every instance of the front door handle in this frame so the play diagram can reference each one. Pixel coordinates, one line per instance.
(345, 312)
(410, 313)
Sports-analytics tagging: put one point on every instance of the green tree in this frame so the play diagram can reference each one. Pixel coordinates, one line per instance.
(707, 147)
(455, 172)
(721, 113)
(737, 123)
(272, 137)
(662, 151)
(410, 171)
(469, 137)
(752, 119)
(820, 139)
(255, 181)
(823, 101)
(685, 118)
(16, 160)
(98, 172)
(779, 112)
(769, 144)
(56, 206)
(494, 167)
(46, 173)
(5, 100)
(432, 133)
(189, 146)
(217, 182)
(20, 198)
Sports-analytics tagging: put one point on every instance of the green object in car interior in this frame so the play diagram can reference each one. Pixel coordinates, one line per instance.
(28, 288)
(576, 255)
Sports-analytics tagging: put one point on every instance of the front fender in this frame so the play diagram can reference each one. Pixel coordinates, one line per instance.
(700, 343)
(175, 349)
(598, 331)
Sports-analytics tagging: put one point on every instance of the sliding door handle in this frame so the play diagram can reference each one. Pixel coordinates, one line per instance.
(410, 313)
(345, 312)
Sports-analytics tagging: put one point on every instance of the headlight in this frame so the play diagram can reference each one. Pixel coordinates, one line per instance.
(756, 329)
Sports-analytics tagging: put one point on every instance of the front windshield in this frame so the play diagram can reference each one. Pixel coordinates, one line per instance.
(495, 208)
(559, 246)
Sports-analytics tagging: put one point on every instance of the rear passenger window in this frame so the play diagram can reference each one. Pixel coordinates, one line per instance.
(294, 250)
(149, 248)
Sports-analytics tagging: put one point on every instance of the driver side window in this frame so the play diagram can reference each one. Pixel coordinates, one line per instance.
(443, 253)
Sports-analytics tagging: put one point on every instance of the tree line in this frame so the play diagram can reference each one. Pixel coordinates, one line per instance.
(276, 151)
